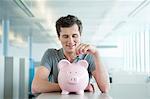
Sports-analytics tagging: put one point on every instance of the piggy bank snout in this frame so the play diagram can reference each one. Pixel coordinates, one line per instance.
(73, 80)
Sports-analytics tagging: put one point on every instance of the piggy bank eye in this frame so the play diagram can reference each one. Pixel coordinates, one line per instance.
(76, 72)
(70, 72)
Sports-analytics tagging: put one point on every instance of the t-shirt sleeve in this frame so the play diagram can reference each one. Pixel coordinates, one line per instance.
(91, 62)
(46, 60)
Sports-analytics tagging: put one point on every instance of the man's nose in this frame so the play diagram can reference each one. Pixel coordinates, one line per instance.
(70, 39)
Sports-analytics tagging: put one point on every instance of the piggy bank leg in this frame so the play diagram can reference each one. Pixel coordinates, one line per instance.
(80, 92)
(64, 92)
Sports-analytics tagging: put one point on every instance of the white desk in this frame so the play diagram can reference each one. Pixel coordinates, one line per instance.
(118, 91)
(87, 95)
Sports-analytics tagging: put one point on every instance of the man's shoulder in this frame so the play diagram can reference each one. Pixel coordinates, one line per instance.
(53, 50)
(87, 56)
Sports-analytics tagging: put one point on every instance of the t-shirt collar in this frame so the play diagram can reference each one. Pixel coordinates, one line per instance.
(80, 57)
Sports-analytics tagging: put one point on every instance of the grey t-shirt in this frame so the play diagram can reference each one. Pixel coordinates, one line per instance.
(52, 56)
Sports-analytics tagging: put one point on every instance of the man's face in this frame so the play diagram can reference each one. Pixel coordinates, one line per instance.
(70, 38)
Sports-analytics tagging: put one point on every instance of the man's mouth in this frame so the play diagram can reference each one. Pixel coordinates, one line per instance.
(70, 46)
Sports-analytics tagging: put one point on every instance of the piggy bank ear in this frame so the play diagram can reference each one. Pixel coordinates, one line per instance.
(83, 63)
(63, 63)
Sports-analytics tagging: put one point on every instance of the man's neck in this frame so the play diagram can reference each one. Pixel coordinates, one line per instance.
(70, 56)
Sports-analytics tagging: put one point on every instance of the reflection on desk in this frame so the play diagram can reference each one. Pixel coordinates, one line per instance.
(86, 95)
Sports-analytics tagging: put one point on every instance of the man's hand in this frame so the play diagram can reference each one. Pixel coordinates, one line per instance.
(85, 48)
(89, 88)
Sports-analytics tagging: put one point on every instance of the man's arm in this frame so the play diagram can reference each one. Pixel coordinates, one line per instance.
(41, 84)
(100, 74)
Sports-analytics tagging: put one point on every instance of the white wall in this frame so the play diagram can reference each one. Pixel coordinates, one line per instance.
(113, 63)
(37, 50)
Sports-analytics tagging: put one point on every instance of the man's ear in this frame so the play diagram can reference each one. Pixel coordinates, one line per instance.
(63, 63)
(83, 63)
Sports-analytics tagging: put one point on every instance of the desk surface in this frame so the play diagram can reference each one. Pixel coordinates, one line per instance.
(125, 91)
(92, 95)
(87, 95)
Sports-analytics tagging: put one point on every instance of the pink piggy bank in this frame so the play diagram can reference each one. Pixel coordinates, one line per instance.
(73, 77)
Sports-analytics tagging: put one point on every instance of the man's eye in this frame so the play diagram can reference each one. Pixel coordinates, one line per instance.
(75, 36)
(65, 36)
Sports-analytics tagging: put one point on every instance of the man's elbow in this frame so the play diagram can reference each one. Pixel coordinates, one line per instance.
(105, 88)
(34, 89)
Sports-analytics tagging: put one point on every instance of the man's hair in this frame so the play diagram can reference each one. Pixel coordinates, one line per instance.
(68, 21)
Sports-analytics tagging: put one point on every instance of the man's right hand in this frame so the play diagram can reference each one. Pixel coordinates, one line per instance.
(90, 88)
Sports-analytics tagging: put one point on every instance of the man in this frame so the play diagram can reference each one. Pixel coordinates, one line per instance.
(69, 30)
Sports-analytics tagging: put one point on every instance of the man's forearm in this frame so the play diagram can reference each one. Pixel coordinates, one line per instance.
(42, 86)
(100, 74)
